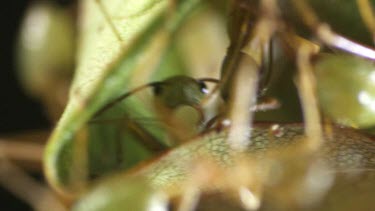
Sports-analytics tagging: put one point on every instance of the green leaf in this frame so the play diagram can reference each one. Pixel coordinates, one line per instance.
(105, 70)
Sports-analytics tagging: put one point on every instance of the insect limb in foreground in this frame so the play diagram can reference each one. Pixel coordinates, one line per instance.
(305, 82)
(328, 36)
(271, 23)
(248, 60)
(353, 62)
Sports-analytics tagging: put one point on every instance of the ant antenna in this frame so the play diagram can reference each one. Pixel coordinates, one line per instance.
(121, 97)
(212, 80)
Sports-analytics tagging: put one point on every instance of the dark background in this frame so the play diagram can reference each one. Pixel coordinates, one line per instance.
(18, 112)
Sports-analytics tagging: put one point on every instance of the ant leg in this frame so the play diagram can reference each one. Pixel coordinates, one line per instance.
(189, 198)
(329, 37)
(332, 39)
(367, 15)
(266, 104)
(244, 78)
(307, 91)
(22, 151)
(107, 18)
(239, 33)
(145, 138)
(266, 67)
(240, 70)
(242, 96)
(29, 190)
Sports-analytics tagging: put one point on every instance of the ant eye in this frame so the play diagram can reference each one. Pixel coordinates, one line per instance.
(157, 89)
(202, 87)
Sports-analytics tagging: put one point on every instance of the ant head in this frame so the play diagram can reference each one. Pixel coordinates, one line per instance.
(171, 93)
(180, 90)
(157, 88)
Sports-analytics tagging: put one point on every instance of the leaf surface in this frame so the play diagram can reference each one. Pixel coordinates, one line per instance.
(105, 70)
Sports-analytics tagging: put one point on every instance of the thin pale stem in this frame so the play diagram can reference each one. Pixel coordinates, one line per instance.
(26, 188)
(22, 150)
(330, 38)
(243, 97)
(190, 199)
(307, 92)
